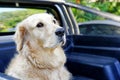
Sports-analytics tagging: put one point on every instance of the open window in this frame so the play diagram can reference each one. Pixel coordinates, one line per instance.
(92, 22)
(10, 16)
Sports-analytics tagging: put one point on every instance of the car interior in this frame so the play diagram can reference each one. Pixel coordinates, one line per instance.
(88, 57)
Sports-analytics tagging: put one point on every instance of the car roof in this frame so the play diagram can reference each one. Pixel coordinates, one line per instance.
(54, 1)
(30, 2)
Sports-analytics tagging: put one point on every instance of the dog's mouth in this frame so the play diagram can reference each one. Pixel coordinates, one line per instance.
(62, 41)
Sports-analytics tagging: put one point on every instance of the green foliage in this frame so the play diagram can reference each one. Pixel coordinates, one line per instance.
(111, 7)
(8, 20)
(82, 16)
(101, 5)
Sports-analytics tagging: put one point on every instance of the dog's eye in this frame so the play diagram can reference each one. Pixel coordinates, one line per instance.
(54, 21)
(40, 25)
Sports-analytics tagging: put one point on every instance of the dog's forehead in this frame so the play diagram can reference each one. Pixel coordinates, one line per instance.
(42, 16)
(33, 20)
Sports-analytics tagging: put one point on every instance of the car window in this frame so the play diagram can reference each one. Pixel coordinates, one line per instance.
(99, 29)
(9, 17)
(91, 24)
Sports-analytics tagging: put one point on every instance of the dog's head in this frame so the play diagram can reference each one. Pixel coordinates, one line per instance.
(42, 28)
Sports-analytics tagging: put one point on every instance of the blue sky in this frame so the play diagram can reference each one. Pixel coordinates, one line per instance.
(9, 9)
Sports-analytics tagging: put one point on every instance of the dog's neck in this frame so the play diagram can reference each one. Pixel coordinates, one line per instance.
(44, 58)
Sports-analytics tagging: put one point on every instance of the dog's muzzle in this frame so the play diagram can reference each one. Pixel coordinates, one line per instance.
(60, 32)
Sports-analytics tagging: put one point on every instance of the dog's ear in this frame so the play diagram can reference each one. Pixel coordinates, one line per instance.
(20, 36)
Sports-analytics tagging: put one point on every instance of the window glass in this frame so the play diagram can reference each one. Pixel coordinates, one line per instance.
(99, 29)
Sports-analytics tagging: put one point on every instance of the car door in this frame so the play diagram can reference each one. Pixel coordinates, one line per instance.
(96, 45)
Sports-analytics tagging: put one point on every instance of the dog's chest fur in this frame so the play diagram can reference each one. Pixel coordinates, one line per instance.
(51, 67)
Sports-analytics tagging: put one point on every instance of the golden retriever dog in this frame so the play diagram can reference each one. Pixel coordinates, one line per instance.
(40, 57)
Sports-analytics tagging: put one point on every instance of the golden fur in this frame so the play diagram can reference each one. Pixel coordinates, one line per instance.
(40, 54)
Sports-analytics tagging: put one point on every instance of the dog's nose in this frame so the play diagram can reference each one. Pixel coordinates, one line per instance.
(60, 32)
